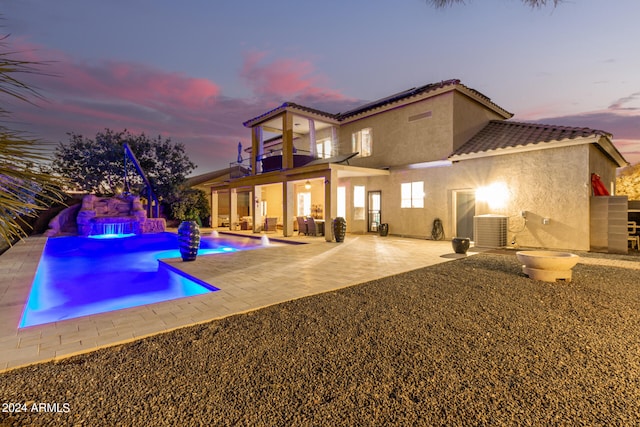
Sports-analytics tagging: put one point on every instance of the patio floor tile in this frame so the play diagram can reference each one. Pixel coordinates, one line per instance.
(248, 280)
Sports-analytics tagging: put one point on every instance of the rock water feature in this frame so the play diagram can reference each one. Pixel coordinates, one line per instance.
(111, 226)
(119, 215)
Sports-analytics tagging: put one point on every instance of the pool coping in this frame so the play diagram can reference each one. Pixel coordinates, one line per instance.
(252, 280)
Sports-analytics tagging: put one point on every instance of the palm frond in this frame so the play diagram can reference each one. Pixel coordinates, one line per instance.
(24, 187)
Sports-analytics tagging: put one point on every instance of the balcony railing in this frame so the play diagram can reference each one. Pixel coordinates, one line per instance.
(270, 161)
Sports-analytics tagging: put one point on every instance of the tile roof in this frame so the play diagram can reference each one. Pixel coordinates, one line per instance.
(500, 134)
(209, 176)
(409, 93)
(286, 105)
(400, 96)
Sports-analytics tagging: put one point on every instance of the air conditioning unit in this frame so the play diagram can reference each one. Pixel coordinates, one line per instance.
(490, 231)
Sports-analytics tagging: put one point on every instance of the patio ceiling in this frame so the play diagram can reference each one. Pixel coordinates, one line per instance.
(345, 171)
(300, 125)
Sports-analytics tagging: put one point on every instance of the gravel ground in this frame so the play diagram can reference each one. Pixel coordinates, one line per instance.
(468, 342)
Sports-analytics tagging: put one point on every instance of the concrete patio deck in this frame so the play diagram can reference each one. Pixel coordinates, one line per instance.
(248, 280)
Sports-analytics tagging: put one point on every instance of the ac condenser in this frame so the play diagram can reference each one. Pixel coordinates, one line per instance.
(490, 231)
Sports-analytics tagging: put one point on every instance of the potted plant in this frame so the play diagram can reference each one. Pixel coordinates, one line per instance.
(189, 234)
(460, 244)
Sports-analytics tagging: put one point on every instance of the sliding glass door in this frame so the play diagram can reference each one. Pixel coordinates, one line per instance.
(374, 217)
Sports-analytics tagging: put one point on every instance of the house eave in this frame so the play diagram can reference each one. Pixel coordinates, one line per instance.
(293, 108)
(473, 94)
(601, 141)
(470, 93)
(610, 149)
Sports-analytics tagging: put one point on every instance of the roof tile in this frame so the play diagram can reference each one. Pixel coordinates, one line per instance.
(500, 134)
(409, 93)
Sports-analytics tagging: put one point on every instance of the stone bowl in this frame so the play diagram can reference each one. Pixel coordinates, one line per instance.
(548, 266)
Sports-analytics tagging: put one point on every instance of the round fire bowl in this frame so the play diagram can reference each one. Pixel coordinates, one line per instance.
(548, 266)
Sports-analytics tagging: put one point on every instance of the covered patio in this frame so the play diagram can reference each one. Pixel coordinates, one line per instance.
(316, 190)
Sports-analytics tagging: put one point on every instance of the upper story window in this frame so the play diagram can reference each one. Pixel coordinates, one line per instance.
(323, 148)
(412, 194)
(362, 142)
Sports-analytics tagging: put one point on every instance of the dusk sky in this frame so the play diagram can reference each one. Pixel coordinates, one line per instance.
(193, 71)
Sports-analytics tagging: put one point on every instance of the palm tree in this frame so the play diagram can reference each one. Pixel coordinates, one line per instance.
(532, 3)
(24, 187)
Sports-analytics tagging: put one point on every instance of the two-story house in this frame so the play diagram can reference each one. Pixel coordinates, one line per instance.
(441, 151)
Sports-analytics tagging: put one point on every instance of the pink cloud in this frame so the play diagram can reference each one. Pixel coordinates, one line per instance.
(134, 83)
(111, 90)
(285, 78)
(86, 98)
(623, 103)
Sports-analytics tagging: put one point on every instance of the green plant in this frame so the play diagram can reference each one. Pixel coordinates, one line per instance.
(96, 165)
(192, 205)
(25, 185)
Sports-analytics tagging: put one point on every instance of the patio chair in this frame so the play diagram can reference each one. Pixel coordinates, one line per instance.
(633, 238)
(302, 225)
(270, 224)
(311, 227)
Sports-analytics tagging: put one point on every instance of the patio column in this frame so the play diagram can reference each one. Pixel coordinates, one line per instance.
(257, 213)
(233, 208)
(214, 209)
(257, 149)
(330, 203)
(287, 140)
(313, 152)
(288, 198)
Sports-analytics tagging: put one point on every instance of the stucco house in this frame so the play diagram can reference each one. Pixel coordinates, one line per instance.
(441, 151)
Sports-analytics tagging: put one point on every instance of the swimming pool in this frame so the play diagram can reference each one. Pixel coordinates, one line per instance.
(80, 276)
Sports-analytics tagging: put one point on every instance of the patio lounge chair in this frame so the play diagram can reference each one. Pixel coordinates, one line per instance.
(311, 227)
(270, 224)
(302, 225)
(633, 238)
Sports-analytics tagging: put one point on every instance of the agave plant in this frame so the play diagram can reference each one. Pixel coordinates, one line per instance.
(24, 187)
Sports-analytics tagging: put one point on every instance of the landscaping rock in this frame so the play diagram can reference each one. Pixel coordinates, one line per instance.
(467, 342)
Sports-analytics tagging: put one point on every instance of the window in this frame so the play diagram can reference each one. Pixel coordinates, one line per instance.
(362, 143)
(358, 202)
(342, 202)
(304, 204)
(412, 194)
(323, 148)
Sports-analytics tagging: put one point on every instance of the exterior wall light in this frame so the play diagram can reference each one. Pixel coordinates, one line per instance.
(495, 195)
(307, 185)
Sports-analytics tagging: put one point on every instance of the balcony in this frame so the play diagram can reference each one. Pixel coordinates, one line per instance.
(273, 160)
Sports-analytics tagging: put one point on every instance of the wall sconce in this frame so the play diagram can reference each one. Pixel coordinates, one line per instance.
(496, 195)
(307, 185)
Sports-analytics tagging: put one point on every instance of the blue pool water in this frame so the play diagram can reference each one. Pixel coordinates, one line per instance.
(79, 276)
